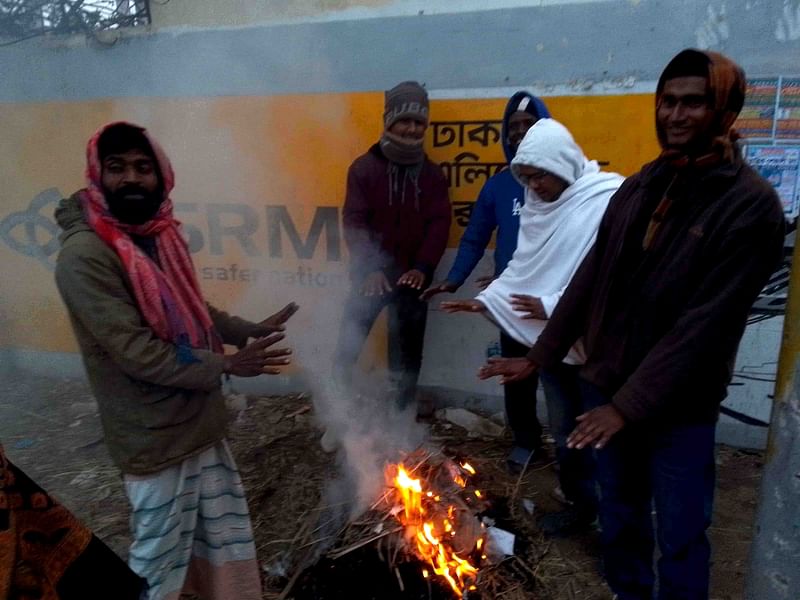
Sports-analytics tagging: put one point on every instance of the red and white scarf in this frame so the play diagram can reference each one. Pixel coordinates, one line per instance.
(167, 293)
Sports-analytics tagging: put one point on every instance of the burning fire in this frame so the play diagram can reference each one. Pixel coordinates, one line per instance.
(437, 526)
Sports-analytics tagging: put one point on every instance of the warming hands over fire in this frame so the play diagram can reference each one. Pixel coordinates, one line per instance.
(413, 279)
(448, 287)
(485, 281)
(596, 427)
(530, 305)
(276, 322)
(454, 306)
(508, 369)
(375, 284)
(254, 359)
(443, 287)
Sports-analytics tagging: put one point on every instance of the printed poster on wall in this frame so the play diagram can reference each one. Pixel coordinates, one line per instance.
(779, 165)
(788, 117)
(757, 117)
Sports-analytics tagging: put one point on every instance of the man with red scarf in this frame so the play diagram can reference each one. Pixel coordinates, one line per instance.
(153, 352)
(661, 302)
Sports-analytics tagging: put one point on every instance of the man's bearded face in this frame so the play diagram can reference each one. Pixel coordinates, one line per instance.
(132, 186)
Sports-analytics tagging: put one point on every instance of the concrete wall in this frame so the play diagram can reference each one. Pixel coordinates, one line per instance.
(584, 47)
(251, 75)
(212, 13)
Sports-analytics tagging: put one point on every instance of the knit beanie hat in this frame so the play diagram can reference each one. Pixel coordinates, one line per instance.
(405, 100)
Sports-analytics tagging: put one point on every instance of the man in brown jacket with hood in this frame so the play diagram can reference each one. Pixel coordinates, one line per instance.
(396, 221)
(661, 302)
(153, 353)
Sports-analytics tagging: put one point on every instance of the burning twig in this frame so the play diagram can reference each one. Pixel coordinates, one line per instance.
(339, 553)
(300, 411)
(399, 580)
(287, 590)
(382, 499)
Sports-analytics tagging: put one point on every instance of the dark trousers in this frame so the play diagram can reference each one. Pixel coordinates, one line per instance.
(407, 317)
(562, 391)
(672, 466)
(520, 399)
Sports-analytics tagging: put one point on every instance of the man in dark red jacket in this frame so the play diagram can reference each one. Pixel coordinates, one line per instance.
(396, 223)
(661, 302)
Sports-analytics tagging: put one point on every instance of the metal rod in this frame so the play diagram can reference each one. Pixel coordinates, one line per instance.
(774, 566)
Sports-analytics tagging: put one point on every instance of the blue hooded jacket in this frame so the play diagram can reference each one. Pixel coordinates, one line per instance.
(497, 206)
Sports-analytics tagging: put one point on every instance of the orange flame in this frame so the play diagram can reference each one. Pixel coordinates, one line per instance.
(411, 489)
(430, 530)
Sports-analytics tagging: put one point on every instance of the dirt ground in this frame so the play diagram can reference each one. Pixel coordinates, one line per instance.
(50, 429)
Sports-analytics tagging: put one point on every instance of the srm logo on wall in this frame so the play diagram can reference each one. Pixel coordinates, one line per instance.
(34, 233)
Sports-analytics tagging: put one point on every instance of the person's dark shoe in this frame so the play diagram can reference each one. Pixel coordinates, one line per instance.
(519, 457)
(570, 521)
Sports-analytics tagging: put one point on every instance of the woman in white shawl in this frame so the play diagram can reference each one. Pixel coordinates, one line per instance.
(566, 196)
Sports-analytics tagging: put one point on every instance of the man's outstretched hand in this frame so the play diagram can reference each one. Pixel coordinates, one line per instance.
(485, 281)
(531, 305)
(276, 322)
(508, 369)
(414, 279)
(596, 427)
(443, 287)
(375, 284)
(454, 306)
(255, 359)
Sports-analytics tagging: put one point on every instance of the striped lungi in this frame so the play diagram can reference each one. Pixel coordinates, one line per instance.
(191, 530)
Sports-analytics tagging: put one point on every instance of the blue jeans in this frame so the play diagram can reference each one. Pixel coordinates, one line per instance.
(575, 467)
(671, 465)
